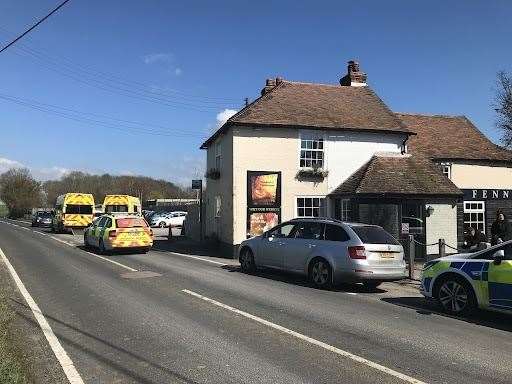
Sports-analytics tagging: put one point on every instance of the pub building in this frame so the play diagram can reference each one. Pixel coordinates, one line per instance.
(337, 150)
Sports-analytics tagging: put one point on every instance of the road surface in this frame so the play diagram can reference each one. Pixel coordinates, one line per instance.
(164, 317)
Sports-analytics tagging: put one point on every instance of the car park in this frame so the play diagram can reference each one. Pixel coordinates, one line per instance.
(463, 282)
(328, 251)
(42, 219)
(169, 219)
(119, 232)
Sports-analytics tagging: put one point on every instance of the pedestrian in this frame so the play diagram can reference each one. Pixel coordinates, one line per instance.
(474, 238)
(500, 229)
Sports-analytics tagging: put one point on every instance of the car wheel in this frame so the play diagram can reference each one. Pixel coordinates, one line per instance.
(455, 295)
(246, 259)
(371, 285)
(162, 224)
(320, 273)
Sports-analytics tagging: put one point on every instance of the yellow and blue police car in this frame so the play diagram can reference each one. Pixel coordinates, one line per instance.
(462, 282)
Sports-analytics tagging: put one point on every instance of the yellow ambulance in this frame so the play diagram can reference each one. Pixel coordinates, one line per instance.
(121, 203)
(73, 210)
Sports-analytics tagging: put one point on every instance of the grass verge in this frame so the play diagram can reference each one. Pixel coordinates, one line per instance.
(12, 368)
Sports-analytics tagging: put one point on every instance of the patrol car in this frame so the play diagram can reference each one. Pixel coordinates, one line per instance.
(117, 232)
(463, 282)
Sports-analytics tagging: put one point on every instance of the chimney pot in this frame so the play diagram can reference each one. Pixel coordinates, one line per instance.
(354, 76)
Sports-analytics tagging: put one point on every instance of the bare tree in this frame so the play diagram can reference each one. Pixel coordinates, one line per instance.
(503, 107)
(20, 192)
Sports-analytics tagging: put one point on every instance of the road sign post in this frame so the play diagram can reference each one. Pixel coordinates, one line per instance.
(198, 184)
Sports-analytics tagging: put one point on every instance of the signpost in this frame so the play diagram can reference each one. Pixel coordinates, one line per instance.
(198, 184)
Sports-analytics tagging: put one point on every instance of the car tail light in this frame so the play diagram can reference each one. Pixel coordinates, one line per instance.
(357, 252)
(112, 234)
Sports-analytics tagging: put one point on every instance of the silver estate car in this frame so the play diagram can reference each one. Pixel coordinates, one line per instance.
(328, 251)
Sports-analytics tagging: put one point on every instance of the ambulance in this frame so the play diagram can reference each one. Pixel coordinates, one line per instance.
(73, 210)
(122, 203)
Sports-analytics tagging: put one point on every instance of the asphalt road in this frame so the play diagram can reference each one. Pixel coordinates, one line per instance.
(120, 326)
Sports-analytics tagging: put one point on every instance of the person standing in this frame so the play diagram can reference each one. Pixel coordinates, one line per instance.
(500, 229)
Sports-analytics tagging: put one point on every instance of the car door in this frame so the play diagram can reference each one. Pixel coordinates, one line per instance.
(500, 279)
(308, 239)
(97, 231)
(273, 246)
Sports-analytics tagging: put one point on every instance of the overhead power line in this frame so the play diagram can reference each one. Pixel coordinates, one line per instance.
(94, 119)
(33, 26)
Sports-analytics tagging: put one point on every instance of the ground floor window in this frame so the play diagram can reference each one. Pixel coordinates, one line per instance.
(474, 215)
(311, 207)
(344, 209)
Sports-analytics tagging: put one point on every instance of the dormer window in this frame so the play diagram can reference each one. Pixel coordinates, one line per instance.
(311, 151)
(447, 169)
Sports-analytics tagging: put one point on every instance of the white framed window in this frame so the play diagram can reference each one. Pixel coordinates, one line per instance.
(311, 206)
(218, 156)
(311, 151)
(474, 215)
(344, 209)
(447, 169)
(218, 206)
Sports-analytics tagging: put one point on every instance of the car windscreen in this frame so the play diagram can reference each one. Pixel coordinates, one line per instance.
(44, 215)
(131, 222)
(78, 209)
(116, 208)
(370, 234)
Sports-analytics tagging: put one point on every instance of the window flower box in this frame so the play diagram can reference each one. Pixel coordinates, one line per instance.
(312, 174)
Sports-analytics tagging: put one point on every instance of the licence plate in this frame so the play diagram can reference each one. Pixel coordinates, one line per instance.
(387, 255)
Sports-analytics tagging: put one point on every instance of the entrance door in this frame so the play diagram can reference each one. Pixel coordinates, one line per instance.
(413, 217)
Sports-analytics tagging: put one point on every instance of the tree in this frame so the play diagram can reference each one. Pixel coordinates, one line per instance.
(503, 107)
(20, 191)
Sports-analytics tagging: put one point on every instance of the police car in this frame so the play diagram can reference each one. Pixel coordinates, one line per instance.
(463, 282)
(117, 232)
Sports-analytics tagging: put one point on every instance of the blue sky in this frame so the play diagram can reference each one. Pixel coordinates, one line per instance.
(205, 57)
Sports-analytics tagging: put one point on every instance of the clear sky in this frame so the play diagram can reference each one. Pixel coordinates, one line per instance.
(97, 62)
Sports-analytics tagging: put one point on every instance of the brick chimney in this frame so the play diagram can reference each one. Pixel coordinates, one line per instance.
(354, 77)
(270, 84)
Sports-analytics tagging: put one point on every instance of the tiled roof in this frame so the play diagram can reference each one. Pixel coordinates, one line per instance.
(318, 106)
(397, 175)
(451, 138)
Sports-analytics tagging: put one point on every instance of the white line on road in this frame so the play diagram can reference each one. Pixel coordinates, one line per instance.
(310, 340)
(194, 257)
(61, 355)
(74, 246)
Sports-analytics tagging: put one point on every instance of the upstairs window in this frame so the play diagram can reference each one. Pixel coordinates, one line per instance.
(447, 169)
(311, 151)
(218, 156)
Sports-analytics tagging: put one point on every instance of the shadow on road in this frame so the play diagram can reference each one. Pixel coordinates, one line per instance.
(426, 307)
(117, 252)
(103, 358)
(187, 247)
(297, 279)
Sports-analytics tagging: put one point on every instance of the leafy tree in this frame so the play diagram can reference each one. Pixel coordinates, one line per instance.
(20, 192)
(503, 107)
(101, 185)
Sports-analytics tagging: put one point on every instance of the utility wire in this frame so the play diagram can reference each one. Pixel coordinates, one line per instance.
(83, 117)
(34, 26)
(69, 65)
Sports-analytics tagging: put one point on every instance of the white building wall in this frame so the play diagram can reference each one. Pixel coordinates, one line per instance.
(442, 224)
(347, 152)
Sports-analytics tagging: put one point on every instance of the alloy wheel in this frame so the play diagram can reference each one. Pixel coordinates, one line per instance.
(453, 296)
(320, 273)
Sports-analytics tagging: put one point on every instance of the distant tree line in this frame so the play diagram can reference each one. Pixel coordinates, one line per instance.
(21, 192)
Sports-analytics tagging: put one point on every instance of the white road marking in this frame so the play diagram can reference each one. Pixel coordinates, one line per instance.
(197, 258)
(74, 246)
(310, 340)
(65, 362)
(351, 293)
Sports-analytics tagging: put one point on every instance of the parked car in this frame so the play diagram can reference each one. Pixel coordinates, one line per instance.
(328, 251)
(116, 232)
(42, 219)
(463, 282)
(171, 219)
